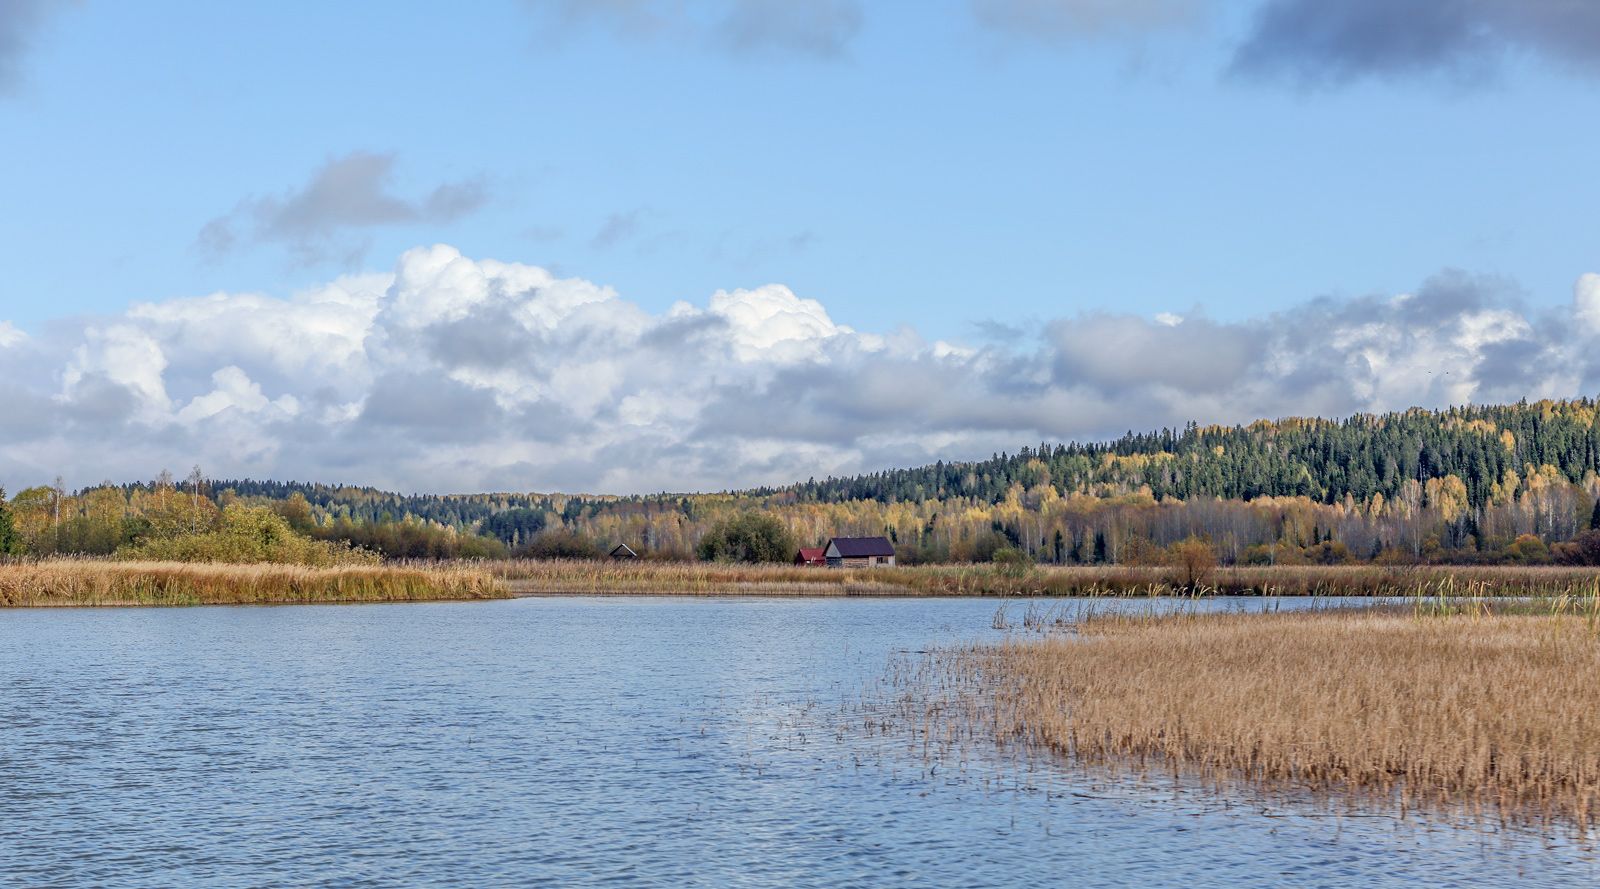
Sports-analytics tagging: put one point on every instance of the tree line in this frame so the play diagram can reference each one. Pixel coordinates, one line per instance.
(1510, 484)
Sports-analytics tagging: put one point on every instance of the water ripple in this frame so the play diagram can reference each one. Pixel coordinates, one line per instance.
(626, 742)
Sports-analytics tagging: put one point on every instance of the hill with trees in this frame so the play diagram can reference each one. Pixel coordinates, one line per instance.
(1510, 483)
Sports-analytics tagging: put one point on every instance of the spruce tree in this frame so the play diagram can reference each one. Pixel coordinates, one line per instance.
(1594, 517)
(8, 528)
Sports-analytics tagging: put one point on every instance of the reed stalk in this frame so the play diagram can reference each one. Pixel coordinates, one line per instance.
(99, 582)
(648, 577)
(1472, 710)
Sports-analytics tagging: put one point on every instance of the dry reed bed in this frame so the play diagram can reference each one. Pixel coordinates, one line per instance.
(632, 578)
(644, 577)
(88, 582)
(1477, 713)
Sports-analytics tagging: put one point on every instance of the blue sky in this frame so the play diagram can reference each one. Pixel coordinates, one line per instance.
(991, 177)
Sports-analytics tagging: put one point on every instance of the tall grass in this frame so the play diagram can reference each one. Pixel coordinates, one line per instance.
(94, 582)
(643, 577)
(640, 577)
(1492, 712)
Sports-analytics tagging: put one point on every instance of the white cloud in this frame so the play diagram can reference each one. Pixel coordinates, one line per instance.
(234, 389)
(122, 355)
(1586, 301)
(454, 374)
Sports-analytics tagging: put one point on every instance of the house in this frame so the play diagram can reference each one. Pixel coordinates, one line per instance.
(812, 557)
(859, 552)
(623, 552)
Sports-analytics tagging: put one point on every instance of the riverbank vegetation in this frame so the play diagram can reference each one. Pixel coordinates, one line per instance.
(67, 582)
(1474, 711)
(1495, 485)
(643, 577)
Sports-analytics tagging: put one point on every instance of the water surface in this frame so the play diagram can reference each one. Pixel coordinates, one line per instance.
(576, 741)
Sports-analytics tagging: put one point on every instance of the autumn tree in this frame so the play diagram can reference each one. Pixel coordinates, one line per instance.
(1195, 559)
(297, 512)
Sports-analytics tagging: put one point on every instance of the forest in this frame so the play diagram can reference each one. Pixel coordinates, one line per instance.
(1510, 484)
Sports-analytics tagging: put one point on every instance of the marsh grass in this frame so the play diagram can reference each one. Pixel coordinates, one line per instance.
(644, 577)
(639, 577)
(98, 582)
(1473, 712)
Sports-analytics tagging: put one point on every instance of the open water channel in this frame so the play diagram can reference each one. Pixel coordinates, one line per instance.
(603, 741)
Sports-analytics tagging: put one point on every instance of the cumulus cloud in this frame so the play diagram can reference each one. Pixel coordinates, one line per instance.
(347, 195)
(1313, 41)
(454, 374)
(817, 28)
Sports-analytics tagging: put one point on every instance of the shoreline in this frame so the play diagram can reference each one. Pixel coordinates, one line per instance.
(96, 582)
(557, 577)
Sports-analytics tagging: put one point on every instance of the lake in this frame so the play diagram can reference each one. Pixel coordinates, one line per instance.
(597, 741)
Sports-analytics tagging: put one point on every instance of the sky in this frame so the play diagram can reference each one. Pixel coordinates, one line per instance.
(626, 246)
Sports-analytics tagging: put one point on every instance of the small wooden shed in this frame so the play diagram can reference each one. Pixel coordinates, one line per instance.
(812, 557)
(623, 552)
(859, 552)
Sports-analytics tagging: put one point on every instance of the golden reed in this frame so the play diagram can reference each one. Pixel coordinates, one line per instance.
(650, 577)
(94, 582)
(1482, 712)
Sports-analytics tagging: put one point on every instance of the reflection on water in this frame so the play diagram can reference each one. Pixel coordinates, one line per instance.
(583, 741)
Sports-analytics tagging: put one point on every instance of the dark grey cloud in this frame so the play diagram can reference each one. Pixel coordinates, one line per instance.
(346, 196)
(428, 407)
(20, 21)
(751, 28)
(488, 339)
(1317, 42)
(1312, 43)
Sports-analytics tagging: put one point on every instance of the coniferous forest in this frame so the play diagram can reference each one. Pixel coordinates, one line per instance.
(1513, 484)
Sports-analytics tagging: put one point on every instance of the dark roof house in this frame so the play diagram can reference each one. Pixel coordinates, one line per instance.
(622, 551)
(859, 552)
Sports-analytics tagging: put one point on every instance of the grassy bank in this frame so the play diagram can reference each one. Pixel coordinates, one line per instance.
(707, 578)
(1483, 712)
(90, 582)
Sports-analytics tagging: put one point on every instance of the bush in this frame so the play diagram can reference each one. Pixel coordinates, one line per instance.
(1195, 559)
(1012, 562)
(247, 534)
(560, 544)
(1526, 550)
(1582, 550)
(412, 540)
(750, 537)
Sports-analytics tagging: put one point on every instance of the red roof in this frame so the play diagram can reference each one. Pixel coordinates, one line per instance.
(816, 556)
